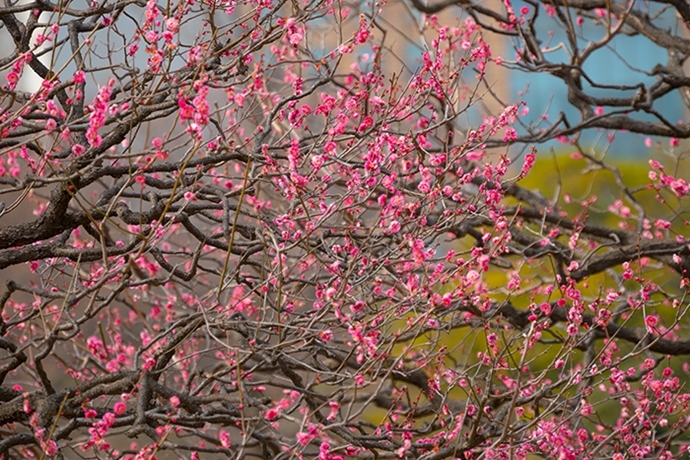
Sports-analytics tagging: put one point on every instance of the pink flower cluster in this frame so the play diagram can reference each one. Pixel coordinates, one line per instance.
(99, 112)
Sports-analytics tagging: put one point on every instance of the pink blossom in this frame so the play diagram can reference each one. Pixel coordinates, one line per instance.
(172, 24)
(296, 38)
(12, 79)
(120, 408)
(472, 277)
(224, 438)
(326, 335)
(79, 77)
(474, 155)
(651, 321)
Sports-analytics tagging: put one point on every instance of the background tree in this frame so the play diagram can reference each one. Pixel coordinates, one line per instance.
(259, 232)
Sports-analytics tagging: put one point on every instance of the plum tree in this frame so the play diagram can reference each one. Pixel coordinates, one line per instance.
(270, 229)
